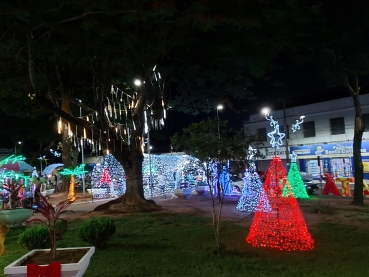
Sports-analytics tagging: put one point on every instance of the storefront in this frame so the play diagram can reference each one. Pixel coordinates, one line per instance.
(334, 158)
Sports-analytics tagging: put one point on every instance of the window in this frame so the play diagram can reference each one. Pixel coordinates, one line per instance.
(285, 131)
(337, 125)
(262, 134)
(309, 129)
(366, 122)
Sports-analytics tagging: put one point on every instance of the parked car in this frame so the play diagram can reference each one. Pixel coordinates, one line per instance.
(308, 181)
(237, 184)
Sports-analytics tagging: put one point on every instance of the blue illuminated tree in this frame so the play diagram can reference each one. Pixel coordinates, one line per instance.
(253, 193)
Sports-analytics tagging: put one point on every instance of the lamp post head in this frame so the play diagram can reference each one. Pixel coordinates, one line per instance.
(19, 142)
(265, 111)
(137, 82)
(302, 117)
(220, 107)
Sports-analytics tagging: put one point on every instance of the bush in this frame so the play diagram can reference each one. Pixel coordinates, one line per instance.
(35, 237)
(97, 231)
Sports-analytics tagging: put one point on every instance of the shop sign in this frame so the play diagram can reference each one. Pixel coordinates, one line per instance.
(329, 149)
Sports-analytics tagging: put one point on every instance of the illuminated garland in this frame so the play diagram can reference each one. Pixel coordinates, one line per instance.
(284, 228)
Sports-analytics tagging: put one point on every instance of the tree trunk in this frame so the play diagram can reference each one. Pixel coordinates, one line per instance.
(358, 164)
(358, 136)
(66, 143)
(133, 200)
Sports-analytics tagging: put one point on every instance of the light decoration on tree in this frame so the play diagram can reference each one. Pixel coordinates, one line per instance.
(253, 192)
(296, 126)
(79, 170)
(295, 180)
(284, 228)
(168, 172)
(118, 108)
(276, 136)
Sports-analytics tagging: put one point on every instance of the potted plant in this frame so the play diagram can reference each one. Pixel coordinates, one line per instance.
(82, 255)
(182, 189)
(201, 188)
(13, 215)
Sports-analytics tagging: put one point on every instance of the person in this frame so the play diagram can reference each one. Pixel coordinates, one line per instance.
(37, 191)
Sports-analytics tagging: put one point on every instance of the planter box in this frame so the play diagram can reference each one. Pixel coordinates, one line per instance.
(67, 270)
(182, 193)
(47, 192)
(15, 216)
(201, 189)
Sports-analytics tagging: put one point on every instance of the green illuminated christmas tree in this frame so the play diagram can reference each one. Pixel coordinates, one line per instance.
(295, 180)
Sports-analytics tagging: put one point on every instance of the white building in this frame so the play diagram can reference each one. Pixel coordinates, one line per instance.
(327, 131)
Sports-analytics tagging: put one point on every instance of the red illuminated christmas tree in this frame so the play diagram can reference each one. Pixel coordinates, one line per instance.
(283, 228)
(105, 178)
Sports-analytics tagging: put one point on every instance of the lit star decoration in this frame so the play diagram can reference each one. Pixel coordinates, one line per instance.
(296, 126)
(293, 157)
(276, 136)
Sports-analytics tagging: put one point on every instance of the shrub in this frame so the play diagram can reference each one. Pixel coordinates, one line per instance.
(97, 231)
(35, 237)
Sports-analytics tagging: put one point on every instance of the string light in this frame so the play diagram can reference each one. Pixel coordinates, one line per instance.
(295, 180)
(168, 172)
(252, 193)
(284, 228)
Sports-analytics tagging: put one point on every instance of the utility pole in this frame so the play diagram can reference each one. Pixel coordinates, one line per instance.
(83, 154)
(286, 131)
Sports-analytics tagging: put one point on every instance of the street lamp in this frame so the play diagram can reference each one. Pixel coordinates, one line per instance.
(41, 158)
(82, 151)
(219, 107)
(137, 82)
(15, 147)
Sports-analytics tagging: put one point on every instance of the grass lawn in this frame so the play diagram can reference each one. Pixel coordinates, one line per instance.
(168, 244)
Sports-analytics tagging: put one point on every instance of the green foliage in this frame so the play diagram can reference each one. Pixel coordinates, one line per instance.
(182, 245)
(203, 141)
(35, 237)
(97, 231)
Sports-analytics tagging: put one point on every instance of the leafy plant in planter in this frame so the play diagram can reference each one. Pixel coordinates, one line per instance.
(51, 216)
(97, 231)
(35, 237)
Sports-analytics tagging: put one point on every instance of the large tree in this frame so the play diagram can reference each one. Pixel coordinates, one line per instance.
(67, 56)
(333, 36)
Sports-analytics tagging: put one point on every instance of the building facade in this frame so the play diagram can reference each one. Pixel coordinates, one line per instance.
(327, 132)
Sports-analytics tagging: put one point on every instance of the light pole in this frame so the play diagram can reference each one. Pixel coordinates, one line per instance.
(41, 158)
(82, 151)
(219, 107)
(286, 131)
(15, 147)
